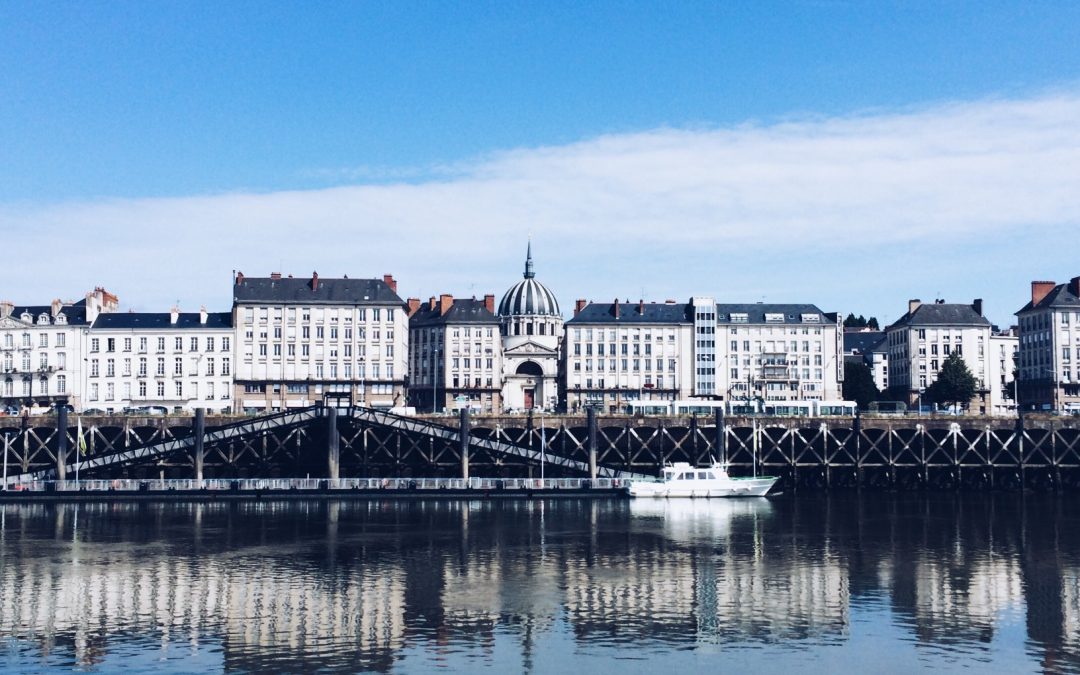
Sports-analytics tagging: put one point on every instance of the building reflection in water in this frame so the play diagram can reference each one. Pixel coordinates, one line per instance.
(287, 586)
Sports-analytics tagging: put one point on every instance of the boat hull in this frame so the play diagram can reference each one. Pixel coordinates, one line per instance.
(732, 487)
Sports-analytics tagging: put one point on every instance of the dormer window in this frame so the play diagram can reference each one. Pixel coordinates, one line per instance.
(43, 319)
(61, 319)
(25, 316)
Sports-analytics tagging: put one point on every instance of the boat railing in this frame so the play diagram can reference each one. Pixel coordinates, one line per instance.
(316, 484)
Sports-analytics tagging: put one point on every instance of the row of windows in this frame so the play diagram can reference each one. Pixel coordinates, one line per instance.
(209, 366)
(305, 313)
(626, 364)
(210, 391)
(112, 344)
(346, 334)
(28, 388)
(25, 341)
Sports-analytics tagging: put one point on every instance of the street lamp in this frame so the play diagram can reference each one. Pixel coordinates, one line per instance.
(363, 372)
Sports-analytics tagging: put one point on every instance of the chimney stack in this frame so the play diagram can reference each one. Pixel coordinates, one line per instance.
(489, 303)
(977, 306)
(1040, 289)
(174, 315)
(1074, 286)
(414, 305)
(641, 307)
(6, 308)
(314, 281)
(913, 305)
(615, 308)
(389, 280)
(579, 305)
(446, 301)
(431, 303)
(57, 304)
(275, 275)
(202, 315)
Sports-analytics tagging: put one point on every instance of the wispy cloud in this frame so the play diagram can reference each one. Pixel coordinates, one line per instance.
(856, 212)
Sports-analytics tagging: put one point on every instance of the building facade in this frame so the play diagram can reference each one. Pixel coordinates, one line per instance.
(42, 351)
(622, 352)
(921, 340)
(1049, 349)
(1004, 357)
(301, 342)
(777, 352)
(172, 361)
(532, 332)
(870, 348)
(455, 355)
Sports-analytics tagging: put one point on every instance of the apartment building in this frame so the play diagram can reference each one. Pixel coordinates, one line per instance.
(455, 355)
(1049, 347)
(302, 341)
(774, 352)
(172, 360)
(619, 352)
(1002, 363)
(921, 340)
(42, 350)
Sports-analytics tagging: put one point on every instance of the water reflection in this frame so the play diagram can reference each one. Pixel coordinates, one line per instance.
(534, 585)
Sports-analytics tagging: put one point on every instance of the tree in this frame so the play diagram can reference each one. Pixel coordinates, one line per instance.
(852, 321)
(859, 384)
(955, 385)
(872, 324)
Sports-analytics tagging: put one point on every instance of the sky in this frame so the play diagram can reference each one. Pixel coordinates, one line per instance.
(848, 154)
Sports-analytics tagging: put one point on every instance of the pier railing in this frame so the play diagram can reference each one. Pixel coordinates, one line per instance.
(318, 484)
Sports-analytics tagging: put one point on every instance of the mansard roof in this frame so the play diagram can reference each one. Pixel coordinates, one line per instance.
(1061, 297)
(756, 312)
(161, 321)
(294, 291)
(633, 313)
(942, 314)
(462, 311)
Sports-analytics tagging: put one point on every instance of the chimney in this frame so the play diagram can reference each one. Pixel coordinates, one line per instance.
(314, 281)
(414, 305)
(913, 305)
(431, 303)
(239, 278)
(389, 280)
(579, 305)
(203, 315)
(174, 315)
(641, 308)
(446, 301)
(1074, 286)
(615, 308)
(1040, 289)
(489, 303)
(669, 302)
(6, 308)
(275, 275)
(977, 306)
(56, 306)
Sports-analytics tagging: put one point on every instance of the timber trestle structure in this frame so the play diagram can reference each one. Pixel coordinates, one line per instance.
(901, 453)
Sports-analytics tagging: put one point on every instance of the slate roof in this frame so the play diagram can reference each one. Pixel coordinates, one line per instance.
(1061, 296)
(863, 342)
(655, 313)
(75, 312)
(161, 321)
(462, 311)
(296, 291)
(756, 312)
(942, 314)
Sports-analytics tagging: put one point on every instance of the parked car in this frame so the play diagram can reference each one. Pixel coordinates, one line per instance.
(94, 411)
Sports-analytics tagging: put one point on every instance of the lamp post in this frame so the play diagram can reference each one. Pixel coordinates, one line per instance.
(363, 373)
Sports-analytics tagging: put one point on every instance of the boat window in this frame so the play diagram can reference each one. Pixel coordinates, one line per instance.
(702, 475)
(685, 476)
(711, 476)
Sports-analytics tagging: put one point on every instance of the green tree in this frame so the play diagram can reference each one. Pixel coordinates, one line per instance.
(955, 385)
(849, 321)
(872, 324)
(859, 384)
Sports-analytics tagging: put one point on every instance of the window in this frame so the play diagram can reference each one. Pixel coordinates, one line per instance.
(179, 389)
(161, 344)
(142, 389)
(161, 389)
(110, 367)
(210, 366)
(43, 340)
(178, 366)
(61, 340)
(193, 344)
(93, 368)
(224, 344)
(225, 369)
(61, 384)
(95, 343)
(178, 344)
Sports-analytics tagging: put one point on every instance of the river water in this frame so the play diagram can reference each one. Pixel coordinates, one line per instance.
(878, 582)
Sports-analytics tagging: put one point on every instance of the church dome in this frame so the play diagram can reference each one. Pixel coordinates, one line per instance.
(529, 297)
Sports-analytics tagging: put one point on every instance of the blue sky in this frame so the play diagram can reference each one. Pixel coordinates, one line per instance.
(851, 154)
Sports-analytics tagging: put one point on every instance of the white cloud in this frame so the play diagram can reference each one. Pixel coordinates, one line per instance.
(855, 212)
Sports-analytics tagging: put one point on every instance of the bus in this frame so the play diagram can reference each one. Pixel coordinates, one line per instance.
(743, 407)
(835, 408)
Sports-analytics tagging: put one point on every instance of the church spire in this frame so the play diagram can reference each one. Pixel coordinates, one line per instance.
(529, 273)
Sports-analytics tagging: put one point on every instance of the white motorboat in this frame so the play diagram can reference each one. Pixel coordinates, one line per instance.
(684, 480)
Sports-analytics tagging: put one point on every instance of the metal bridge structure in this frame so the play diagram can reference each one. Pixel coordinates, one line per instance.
(896, 453)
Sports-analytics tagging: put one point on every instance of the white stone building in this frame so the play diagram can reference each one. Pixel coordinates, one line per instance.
(42, 351)
(301, 342)
(621, 352)
(175, 361)
(532, 333)
(455, 355)
(776, 352)
(1002, 363)
(921, 340)
(1049, 351)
